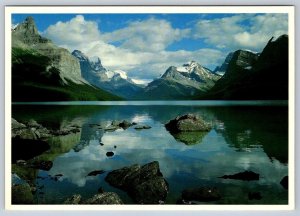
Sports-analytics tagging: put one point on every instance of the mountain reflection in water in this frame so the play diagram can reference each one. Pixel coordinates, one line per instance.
(243, 138)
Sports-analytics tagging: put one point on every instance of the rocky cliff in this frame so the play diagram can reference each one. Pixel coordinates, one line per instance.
(116, 82)
(26, 36)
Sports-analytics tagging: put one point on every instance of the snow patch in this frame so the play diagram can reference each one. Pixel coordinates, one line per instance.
(182, 69)
(123, 74)
(141, 81)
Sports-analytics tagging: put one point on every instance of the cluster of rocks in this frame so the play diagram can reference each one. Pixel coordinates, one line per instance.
(34, 131)
(115, 125)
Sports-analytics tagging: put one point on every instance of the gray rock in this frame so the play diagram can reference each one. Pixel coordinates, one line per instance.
(145, 184)
(73, 200)
(32, 130)
(108, 198)
(33, 124)
(16, 125)
(188, 122)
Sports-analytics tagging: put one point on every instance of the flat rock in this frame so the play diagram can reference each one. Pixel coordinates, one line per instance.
(96, 172)
(141, 127)
(245, 176)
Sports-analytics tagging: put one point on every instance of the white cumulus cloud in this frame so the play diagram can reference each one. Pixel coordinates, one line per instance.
(243, 31)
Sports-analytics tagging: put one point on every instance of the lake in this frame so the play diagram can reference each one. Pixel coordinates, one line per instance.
(246, 136)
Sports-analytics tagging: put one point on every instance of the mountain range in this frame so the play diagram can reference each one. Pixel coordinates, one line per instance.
(42, 71)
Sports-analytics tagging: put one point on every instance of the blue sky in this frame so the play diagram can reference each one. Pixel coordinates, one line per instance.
(145, 45)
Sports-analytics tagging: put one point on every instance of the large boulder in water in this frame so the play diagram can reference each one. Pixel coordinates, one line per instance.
(145, 184)
(188, 122)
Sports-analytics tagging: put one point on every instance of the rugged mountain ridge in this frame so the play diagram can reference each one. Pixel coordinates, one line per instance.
(42, 71)
(181, 82)
(115, 82)
(26, 36)
(253, 76)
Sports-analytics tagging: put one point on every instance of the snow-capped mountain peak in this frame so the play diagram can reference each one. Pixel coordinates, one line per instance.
(189, 67)
(123, 74)
(110, 74)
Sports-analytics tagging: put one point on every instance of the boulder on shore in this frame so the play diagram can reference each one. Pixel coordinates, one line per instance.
(145, 184)
(188, 122)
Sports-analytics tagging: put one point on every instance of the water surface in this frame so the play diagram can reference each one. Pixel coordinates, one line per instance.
(245, 136)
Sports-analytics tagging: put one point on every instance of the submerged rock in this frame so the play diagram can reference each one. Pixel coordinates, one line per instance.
(21, 194)
(202, 194)
(145, 184)
(108, 198)
(189, 137)
(245, 176)
(96, 172)
(285, 182)
(188, 122)
(141, 127)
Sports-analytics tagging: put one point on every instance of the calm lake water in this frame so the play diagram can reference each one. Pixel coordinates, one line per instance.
(245, 136)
